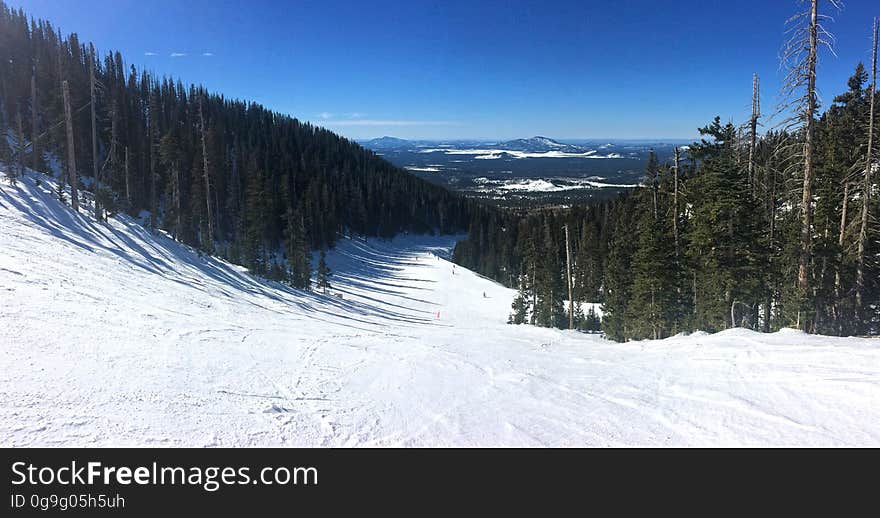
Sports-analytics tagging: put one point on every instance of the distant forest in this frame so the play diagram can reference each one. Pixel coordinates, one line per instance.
(762, 231)
(229, 177)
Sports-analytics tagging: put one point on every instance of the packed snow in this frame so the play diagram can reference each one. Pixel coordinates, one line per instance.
(112, 335)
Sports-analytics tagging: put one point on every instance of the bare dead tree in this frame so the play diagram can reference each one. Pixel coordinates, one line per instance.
(113, 153)
(19, 147)
(178, 211)
(127, 177)
(71, 155)
(779, 166)
(95, 174)
(809, 120)
(152, 134)
(866, 186)
(800, 55)
(534, 316)
(841, 236)
(753, 129)
(654, 186)
(60, 70)
(568, 276)
(675, 173)
(35, 150)
(207, 176)
(770, 175)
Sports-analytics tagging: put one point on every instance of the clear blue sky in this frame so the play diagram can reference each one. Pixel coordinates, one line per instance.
(472, 69)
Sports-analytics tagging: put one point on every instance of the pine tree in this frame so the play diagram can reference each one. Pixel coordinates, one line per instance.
(867, 187)
(800, 54)
(618, 277)
(168, 157)
(651, 309)
(724, 245)
(299, 264)
(549, 282)
(323, 273)
(521, 303)
(588, 264)
(255, 226)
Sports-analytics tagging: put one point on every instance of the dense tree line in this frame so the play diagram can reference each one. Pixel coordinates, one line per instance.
(525, 249)
(229, 177)
(741, 229)
(708, 242)
(736, 261)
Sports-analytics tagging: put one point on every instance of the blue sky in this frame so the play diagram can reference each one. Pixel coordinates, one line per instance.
(473, 69)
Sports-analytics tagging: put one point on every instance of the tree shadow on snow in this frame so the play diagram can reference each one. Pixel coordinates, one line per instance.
(363, 272)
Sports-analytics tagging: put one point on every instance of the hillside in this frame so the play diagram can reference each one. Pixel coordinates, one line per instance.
(113, 335)
(231, 177)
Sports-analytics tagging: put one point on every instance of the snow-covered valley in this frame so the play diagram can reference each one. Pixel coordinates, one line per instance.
(111, 335)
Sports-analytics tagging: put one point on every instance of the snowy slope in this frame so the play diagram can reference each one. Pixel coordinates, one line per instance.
(110, 335)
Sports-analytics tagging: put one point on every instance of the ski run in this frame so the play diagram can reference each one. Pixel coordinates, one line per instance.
(114, 336)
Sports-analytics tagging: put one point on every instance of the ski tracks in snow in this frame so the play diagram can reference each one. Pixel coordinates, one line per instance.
(113, 336)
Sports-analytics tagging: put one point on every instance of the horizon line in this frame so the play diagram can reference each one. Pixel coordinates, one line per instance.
(489, 139)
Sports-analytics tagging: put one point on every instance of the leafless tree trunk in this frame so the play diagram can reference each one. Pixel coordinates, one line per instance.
(770, 186)
(866, 186)
(809, 120)
(179, 225)
(675, 170)
(655, 328)
(112, 153)
(71, 154)
(654, 194)
(568, 277)
(533, 318)
(235, 179)
(207, 176)
(152, 137)
(841, 235)
(127, 177)
(733, 314)
(800, 54)
(95, 175)
(19, 162)
(62, 178)
(35, 149)
(753, 130)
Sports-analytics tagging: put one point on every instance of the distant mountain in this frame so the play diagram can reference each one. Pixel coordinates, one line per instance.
(387, 143)
(536, 144)
(539, 145)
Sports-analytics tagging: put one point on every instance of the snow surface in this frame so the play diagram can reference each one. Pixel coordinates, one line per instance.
(424, 169)
(494, 154)
(546, 185)
(110, 335)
